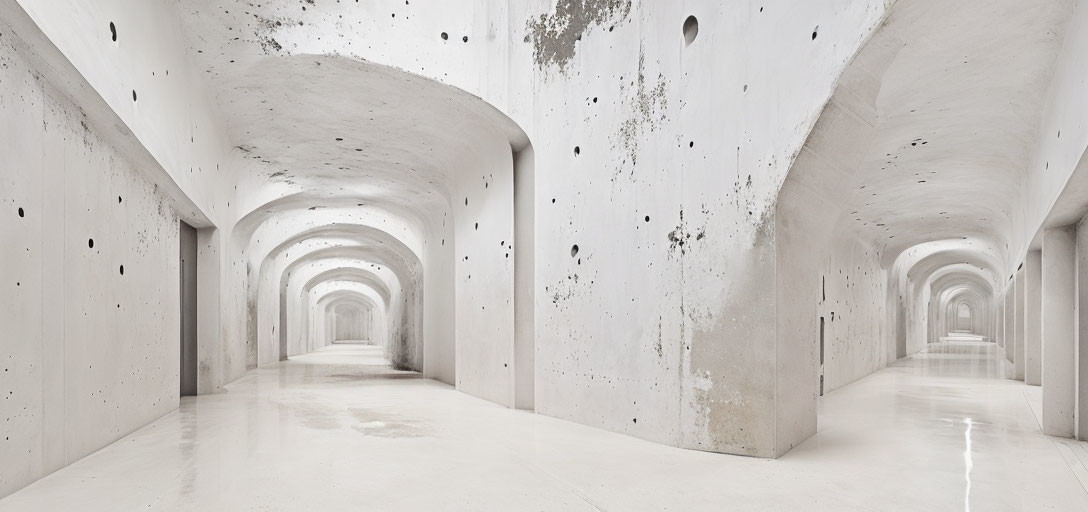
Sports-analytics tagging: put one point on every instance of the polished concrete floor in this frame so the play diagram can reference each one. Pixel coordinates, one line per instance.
(333, 430)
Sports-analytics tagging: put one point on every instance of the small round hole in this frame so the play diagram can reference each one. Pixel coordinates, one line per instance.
(90, 243)
(464, 39)
(21, 213)
(577, 150)
(445, 36)
(122, 270)
(691, 30)
(574, 251)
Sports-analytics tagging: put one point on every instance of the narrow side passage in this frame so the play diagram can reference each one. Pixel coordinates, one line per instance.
(940, 411)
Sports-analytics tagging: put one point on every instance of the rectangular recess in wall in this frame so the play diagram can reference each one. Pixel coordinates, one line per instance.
(187, 243)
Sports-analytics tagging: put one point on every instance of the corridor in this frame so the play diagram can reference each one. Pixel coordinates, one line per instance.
(543, 255)
(939, 431)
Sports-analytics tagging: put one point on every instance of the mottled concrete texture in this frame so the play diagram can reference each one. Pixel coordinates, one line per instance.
(678, 221)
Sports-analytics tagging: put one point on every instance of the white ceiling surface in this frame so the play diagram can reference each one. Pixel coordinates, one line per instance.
(957, 114)
(331, 146)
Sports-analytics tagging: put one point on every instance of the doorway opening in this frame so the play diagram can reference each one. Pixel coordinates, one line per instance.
(187, 243)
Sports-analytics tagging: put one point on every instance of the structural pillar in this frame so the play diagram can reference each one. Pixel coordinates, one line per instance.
(1081, 400)
(1018, 322)
(1010, 325)
(1059, 366)
(999, 324)
(1033, 305)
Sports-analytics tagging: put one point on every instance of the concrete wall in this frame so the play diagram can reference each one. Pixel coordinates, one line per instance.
(90, 345)
(351, 323)
(853, 306)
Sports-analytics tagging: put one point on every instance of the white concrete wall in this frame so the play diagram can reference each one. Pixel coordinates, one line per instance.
(483, 226)
(854, 312)
(351, 323)
(697, 144)
(87, 354)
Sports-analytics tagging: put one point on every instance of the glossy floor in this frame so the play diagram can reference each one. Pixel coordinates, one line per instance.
(329, 431)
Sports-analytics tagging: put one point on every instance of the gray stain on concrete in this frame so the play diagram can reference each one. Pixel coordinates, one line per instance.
(555, 36)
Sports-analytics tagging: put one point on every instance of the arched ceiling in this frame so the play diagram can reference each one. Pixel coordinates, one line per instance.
(957, 112)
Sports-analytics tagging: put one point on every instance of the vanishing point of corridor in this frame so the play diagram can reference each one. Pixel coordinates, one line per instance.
(543, 255)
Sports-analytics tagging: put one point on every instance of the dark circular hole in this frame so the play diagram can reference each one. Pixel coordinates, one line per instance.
(647, 218)
(464, 39)
(691, 144)
(691, 30)
(90, 243)
(574, 251)
(445, 36)
(118, 199)
(577, 150)
(113, 32)
(21, 214)
(122, 270)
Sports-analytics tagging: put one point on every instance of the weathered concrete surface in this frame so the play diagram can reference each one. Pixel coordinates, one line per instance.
(1033, 318)
(1059, 338)
(88, 353)
(685, 237)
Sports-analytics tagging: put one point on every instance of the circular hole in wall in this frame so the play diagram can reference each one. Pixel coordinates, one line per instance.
(122, 269)
(445, 36)
(21, 213)
(90, 243)
(691, 30)
(113, 32)
(577, 150)
(574, 251)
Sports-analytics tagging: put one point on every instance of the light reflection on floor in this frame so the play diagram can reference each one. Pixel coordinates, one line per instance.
(330, 431)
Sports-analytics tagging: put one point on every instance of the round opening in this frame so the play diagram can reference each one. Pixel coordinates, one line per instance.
(90, 243)
(21, 212)
(577, 150)
(691, 30)
(445, 36)
(574, 251)
(122, 269)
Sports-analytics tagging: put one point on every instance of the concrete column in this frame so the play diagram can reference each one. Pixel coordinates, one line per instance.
(1018, 323)
(525, 279)
(999, 323)
(1010, 324)
(1081, 400)
(1033, 305)
(1059, 368)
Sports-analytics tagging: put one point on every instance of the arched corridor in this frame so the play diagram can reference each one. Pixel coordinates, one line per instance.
(599, 254)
